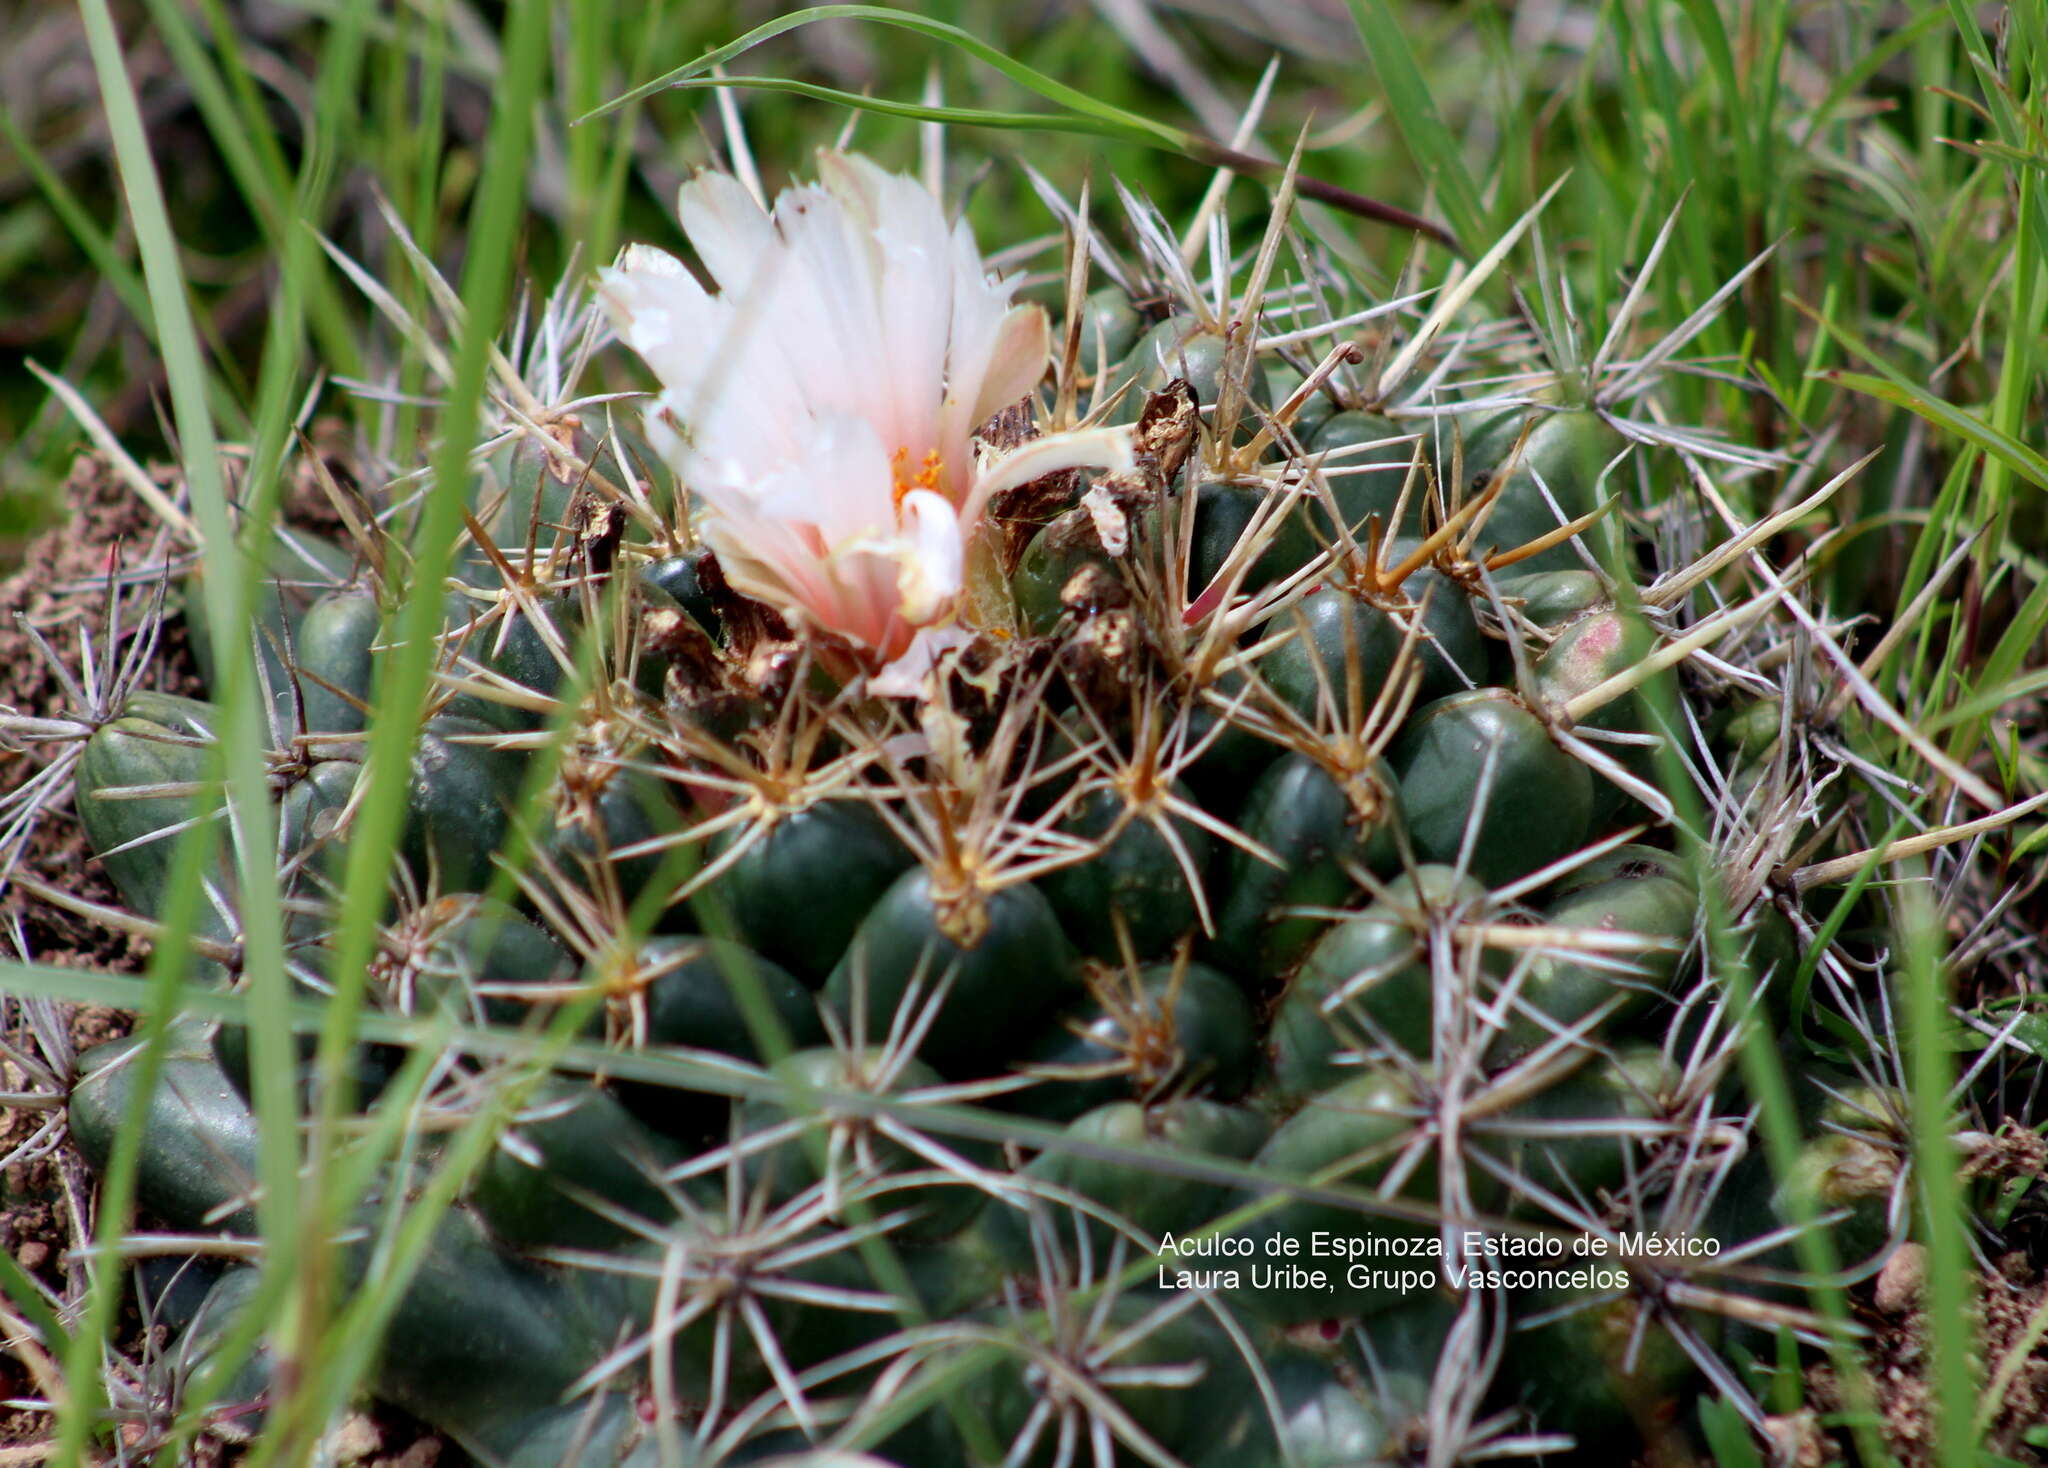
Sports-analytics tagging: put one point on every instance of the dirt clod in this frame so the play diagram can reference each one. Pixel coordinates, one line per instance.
(1899, 1360)
(1903, 1280)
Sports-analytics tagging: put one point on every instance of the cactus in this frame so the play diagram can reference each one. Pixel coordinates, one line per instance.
(970, 890)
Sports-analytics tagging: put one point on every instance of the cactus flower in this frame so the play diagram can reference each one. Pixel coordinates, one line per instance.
(822, 401)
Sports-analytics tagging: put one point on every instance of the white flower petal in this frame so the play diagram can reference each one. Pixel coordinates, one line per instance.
(1113, 450)
(660, 311)
(728, 229)
(933, 563)
(1016, 361)
(978, 313)
(838, 479)
(649, 260)
(905, 677)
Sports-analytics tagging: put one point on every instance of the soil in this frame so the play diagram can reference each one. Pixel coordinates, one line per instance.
(61, 590)
(1898, 1360)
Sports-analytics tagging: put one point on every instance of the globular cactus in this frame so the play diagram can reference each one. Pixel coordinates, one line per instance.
(997, 829)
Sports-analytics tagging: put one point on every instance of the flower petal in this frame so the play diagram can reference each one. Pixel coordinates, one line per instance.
(729, 231)
(1113, 450)
(1016, 362)
(905, 677)
(933, 564)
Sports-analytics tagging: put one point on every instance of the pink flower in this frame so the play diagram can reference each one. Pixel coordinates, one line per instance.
(821, 404)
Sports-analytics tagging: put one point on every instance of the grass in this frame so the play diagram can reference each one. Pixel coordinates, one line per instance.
(1890, 160)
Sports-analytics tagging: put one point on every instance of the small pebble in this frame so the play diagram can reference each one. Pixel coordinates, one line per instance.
(357, 1440)
(1902, 1280)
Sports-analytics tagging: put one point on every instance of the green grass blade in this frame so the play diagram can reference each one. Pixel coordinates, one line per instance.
(239, 123)
(78, 222)
(1413, 107)
(1727, 1436)
(30, 1305)
(1965, 425)
(161, 992)
(1938, 1189)
(403, 678)
(94, 243)
(228, 590)
(919, 112)
(1116, 119)
(273, 1048)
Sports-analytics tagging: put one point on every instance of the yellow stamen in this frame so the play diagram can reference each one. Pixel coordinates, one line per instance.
(927, 477)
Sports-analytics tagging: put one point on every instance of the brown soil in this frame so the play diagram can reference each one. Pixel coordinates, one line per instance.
(1898, 1360)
